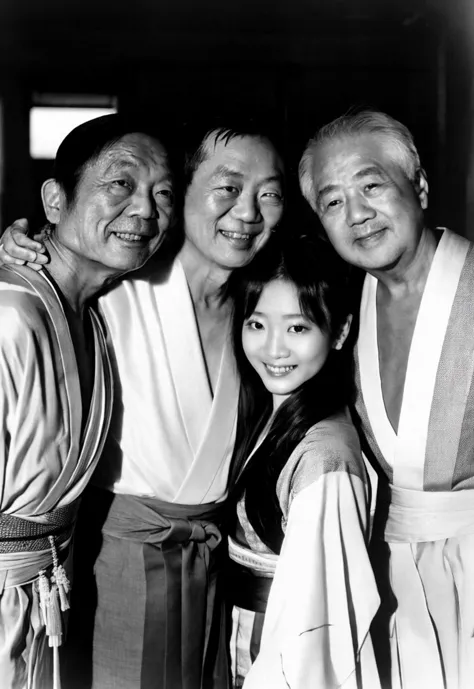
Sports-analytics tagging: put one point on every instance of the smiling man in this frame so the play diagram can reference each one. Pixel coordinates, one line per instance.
(108, 205)
(160, 623)
(172, 437)
(164, 474)
(415, 364)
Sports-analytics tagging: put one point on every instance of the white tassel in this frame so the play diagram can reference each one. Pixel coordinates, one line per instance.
(43, 590)
(54, 628)
(60, 577)
(53, 599)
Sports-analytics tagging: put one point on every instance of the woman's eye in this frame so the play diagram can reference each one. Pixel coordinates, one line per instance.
(254, 325)
(298, 328)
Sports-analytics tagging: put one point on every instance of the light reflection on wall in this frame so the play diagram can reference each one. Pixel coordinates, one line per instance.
(49, 126)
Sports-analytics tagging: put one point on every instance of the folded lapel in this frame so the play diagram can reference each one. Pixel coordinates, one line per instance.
(66, 358)
(184, 352)
(218, 431)
(100, 411)
(425, 352)
(370, 380)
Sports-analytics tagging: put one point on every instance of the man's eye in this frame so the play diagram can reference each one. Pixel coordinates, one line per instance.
(372, 186)
(272, 194)
(167, 193)
(229, 189)
(121, 183)
(272, 197)
(333, 203)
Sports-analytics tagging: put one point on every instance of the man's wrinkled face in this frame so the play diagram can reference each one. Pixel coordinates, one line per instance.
(234, 201)
(123, 205)
(371, 212)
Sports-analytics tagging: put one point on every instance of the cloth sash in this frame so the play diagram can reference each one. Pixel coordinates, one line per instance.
(249, 577)
(33, 552)
(156, 522)
(18, 569)
(419, 517)
(263, 564)
(177, 544)
(25, 547)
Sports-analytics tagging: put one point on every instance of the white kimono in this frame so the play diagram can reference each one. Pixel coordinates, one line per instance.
(429, 465)
(323, 596)
(171, 438)
(169, 450)
(47, 456)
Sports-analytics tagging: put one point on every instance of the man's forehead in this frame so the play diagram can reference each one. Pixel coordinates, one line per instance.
(349, 154)
(353, 146)
(134, 150)
(242, 152)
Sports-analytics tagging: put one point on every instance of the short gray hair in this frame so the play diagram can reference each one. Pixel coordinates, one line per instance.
(353, 124)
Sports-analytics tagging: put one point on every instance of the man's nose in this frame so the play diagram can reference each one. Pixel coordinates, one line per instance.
(358, 210)
(276, 345)
(143, 205)
(247, 208)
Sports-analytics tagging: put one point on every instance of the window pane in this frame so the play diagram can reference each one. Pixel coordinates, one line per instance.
(49, 126)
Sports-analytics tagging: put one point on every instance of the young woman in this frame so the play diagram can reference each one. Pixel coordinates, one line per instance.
(299, 566)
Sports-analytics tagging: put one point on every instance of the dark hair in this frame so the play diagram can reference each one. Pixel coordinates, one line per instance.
(197, 139)
(322, 282)
(84, 145)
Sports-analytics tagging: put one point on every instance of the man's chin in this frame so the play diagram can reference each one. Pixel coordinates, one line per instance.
(237, 259)
(126, 264)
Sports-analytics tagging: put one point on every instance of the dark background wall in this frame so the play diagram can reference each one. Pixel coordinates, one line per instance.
(297, 62)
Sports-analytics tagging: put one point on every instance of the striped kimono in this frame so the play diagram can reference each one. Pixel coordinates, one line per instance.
(48, 452)
(427, 514)
(301, 619)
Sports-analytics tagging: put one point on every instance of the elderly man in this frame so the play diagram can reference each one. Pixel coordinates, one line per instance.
(415, 365)
(164, 475)
(108, 205)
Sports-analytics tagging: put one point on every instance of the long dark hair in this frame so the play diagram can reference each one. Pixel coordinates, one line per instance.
(322, 283)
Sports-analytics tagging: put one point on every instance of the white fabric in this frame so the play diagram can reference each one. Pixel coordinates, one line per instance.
(263, 563)
(405, 451)
(430, 539)
(323, 597)
(170, 439)
(240, 641)
(420, 518)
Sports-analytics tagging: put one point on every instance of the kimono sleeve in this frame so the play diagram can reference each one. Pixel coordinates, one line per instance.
(323, 597)
(30, 406)
(13, 348)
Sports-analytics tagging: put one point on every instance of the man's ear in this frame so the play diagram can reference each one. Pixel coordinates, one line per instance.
(52, 197)
(343, 333)
(421, 187)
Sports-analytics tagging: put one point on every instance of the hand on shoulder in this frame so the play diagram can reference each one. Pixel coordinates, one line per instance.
(16, 248)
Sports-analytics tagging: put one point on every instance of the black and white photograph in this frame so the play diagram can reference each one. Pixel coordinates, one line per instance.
(237, 344)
